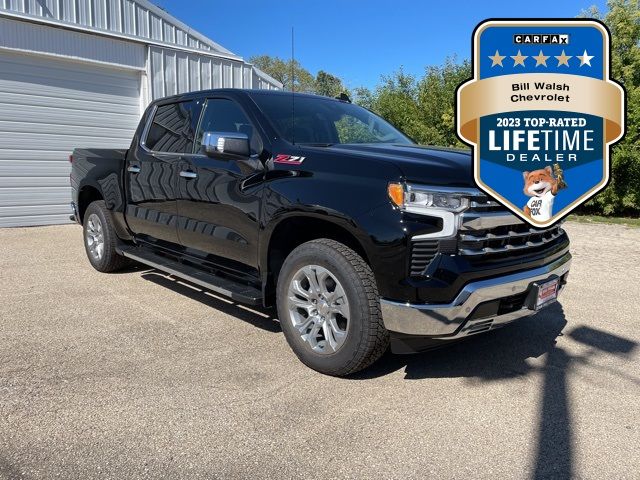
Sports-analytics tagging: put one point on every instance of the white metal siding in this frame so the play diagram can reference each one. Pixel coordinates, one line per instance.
(78, 73)
(50, 106)
(173, 72)
(136, 18)
(31, 37)
(258, 81)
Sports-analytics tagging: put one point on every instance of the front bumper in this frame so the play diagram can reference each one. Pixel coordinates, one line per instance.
(480, 306)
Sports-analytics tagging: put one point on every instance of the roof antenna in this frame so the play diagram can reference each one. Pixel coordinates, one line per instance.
(293, 97)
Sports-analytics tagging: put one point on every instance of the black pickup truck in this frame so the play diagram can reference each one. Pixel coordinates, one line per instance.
(360, 237)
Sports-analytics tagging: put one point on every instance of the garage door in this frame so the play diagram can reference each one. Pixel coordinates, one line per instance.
(47, 108)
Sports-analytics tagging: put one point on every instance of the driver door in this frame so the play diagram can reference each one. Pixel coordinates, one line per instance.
(218, 212)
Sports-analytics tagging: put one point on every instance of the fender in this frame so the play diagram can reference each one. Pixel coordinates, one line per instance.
(91, 169)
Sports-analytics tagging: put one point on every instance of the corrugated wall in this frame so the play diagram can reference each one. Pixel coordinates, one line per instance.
(140, 20)
(49, 107)
(174, 72)
(136, 18)
(33, 38)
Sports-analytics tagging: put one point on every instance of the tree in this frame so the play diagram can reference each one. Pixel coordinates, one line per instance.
(323, 83)
(363, 97)
(328, 85)
(397, 101)
(436, 97)
(424, 108)
(622, 196)
(281, 71)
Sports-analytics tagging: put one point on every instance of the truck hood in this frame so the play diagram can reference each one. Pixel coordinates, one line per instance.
(427, 165)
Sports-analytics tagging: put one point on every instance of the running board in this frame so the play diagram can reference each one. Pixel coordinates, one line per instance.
(234, 290)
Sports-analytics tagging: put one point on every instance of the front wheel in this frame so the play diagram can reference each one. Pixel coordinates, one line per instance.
(329, 308)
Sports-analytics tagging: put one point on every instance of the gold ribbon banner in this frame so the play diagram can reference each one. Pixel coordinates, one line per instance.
(584, 95)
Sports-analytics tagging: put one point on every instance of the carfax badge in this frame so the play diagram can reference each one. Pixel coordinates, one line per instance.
(541, 114)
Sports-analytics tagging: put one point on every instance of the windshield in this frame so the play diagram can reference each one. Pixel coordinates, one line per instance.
(324, 121)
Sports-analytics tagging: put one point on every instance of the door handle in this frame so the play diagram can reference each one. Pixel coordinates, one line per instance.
(188, 174)
(133, 169)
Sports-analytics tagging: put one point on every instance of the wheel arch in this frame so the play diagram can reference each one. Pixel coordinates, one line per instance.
(294, 230)
(87, 194)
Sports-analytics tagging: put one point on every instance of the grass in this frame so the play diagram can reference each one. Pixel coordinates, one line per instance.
(627, 221)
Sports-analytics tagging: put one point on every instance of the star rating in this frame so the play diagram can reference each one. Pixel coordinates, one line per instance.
(541, 59)
(497, 59)
(585, 59)
(518, 59)
(563, 59)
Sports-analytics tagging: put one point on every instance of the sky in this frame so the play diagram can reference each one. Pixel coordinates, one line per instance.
(357, 40)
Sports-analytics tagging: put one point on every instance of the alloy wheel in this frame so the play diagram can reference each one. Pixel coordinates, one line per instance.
(319, 308)
(94, 237)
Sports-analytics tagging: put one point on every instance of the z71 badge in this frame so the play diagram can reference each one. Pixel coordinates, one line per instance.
(288, 159)
(541, 114)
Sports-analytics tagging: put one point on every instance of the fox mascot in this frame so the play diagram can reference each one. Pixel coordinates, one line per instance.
(542, 186)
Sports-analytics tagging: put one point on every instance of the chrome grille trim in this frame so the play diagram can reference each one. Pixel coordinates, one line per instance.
(552, 235)
(493, 236)
(489, 228)
(486, 203)
(487, 220)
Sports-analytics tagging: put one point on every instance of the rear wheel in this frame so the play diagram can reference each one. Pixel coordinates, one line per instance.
(100, 239)
(329, 308)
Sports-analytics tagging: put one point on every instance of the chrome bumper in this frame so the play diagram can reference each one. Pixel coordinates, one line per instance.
(450, 321)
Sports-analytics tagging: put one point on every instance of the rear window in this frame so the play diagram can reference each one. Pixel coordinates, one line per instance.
(173, 127)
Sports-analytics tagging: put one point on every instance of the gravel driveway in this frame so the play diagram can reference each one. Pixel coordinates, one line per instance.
(136, 375)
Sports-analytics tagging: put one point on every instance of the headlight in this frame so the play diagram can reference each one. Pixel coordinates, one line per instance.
(426, 200)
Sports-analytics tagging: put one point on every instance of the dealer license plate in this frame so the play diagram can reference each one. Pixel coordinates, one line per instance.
(547, 293)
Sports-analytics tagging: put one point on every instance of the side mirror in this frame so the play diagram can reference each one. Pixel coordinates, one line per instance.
(226, 143)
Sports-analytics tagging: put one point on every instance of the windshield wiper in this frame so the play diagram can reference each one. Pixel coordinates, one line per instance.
(315, 144)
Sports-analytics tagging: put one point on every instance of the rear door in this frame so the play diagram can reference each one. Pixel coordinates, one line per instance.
(152, 171)
(219, 203)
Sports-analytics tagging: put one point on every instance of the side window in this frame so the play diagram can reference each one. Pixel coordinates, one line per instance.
(223, 115)
(173, 127)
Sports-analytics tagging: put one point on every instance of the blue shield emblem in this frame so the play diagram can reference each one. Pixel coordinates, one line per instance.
(541, 114)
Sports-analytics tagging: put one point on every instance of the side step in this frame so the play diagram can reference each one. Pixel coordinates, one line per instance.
(234, 290)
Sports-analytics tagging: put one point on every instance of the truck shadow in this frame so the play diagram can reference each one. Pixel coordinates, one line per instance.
(10, 470)
(490, 356)
(265, 319)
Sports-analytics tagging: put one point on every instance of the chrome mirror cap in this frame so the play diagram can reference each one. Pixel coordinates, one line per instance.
(227, 143)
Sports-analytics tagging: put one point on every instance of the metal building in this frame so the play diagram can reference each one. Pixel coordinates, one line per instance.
(79, 73)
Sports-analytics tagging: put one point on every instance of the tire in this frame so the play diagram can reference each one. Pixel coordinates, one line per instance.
(98, 230)
(319, 334)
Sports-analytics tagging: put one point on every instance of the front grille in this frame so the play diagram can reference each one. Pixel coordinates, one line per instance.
(485, 230)
(490, 229)
(505, 239)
